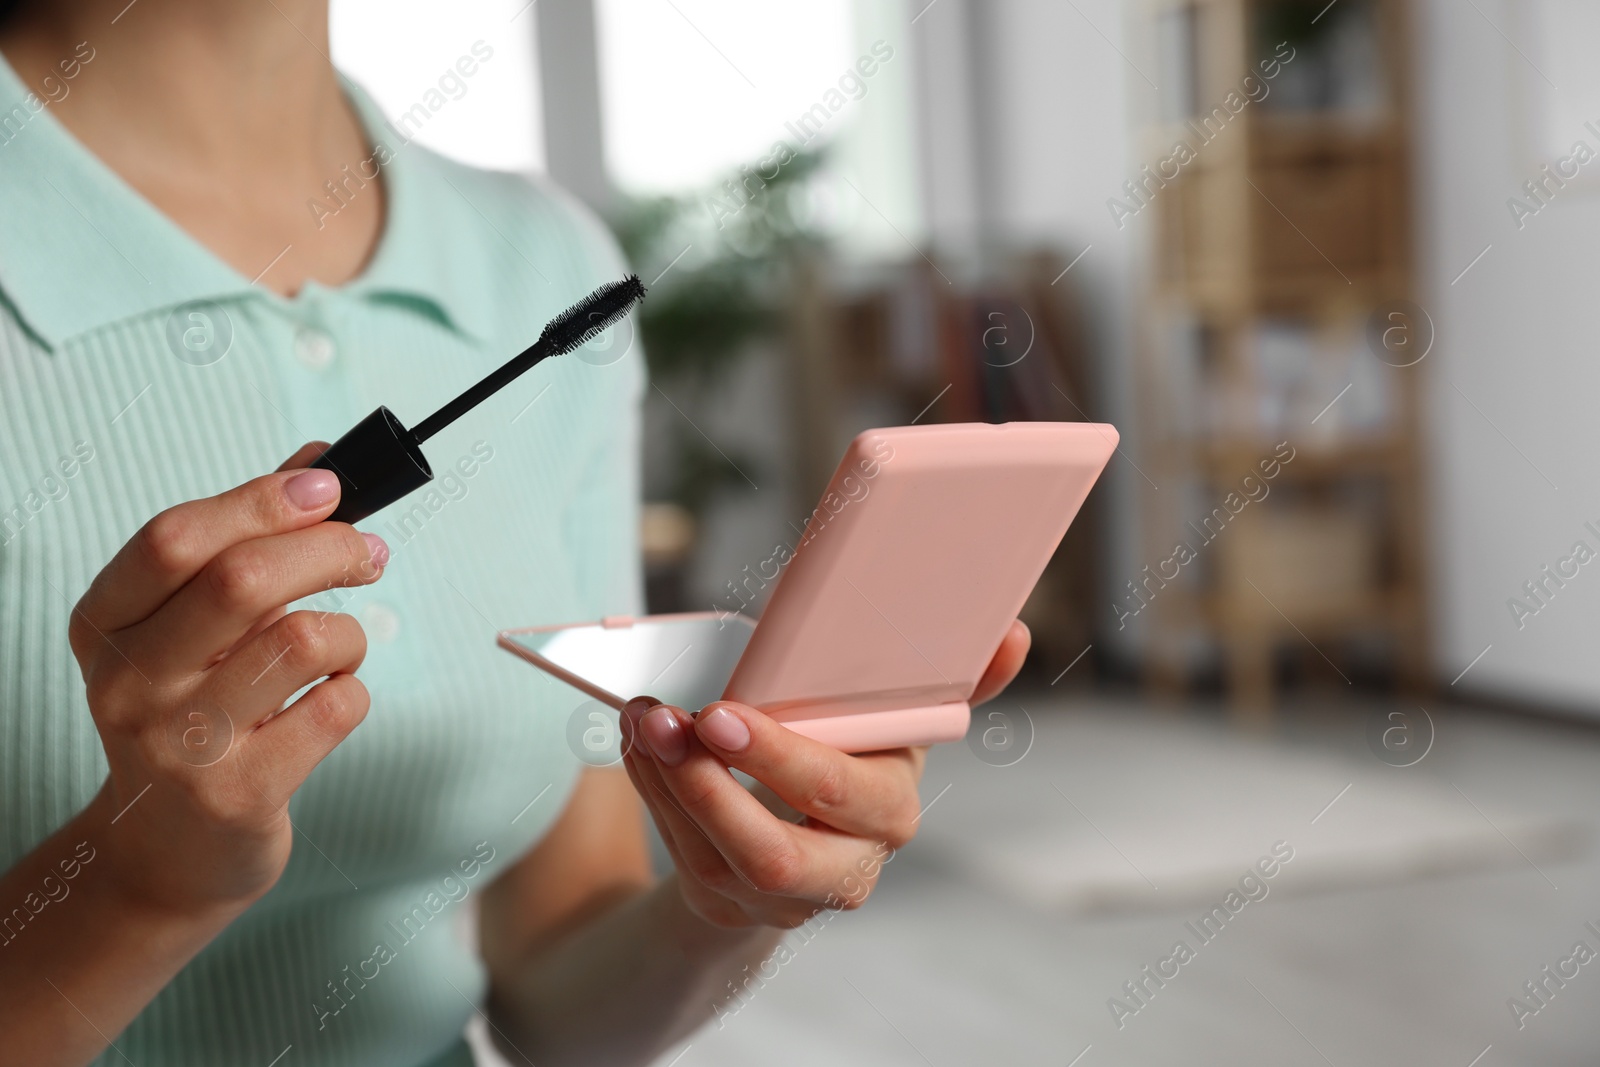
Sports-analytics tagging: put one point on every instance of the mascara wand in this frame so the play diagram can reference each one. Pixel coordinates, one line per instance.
(379, 460)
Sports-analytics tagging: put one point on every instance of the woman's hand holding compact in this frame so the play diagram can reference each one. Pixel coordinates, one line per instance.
(740, 864)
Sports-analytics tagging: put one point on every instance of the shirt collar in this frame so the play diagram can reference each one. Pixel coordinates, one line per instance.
(80, 248)
(426, 252)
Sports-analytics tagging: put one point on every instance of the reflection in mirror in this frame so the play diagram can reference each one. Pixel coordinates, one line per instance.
(684, 660)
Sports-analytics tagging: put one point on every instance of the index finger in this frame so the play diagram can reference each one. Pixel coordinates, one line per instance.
(872, 795)
(172, 548)
(1006, 663)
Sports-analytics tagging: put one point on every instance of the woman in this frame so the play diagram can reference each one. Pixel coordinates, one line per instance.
(211, 250)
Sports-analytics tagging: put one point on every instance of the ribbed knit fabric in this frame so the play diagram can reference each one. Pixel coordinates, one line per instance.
(111, 410)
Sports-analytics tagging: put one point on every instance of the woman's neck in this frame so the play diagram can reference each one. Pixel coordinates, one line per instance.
(225, 114)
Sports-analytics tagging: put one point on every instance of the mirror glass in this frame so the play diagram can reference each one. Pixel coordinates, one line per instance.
(683, 660)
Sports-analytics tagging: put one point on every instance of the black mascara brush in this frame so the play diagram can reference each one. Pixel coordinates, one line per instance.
(379, 460)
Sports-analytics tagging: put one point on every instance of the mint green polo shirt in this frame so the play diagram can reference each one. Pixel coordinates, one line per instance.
(138, 371)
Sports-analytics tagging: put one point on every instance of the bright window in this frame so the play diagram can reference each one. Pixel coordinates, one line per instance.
(694, 88)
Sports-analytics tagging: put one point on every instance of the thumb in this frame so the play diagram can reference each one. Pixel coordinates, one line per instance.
(306, 454)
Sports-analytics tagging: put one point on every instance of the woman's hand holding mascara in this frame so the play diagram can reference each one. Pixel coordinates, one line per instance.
(188, 657)
(739, 863)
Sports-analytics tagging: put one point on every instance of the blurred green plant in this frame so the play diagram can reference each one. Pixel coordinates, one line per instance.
(729, 248)
(725, 293)
(1299, 22)
(701, 471)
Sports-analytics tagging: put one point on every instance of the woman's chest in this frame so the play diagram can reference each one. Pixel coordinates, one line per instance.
(461, 737)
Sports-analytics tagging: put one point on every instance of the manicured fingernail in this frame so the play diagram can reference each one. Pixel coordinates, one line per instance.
(312, 490)
(665, 736)
(634, 710)
(628, 721)
(377, 548)
(723, 729)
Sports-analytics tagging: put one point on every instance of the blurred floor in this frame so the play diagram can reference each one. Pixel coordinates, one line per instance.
(945, 968)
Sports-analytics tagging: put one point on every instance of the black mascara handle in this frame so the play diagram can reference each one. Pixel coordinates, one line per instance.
(497, 379)
(377, 463)
(379, 460)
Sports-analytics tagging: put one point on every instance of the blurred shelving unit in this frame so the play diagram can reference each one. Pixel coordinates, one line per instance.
(912, 343)
(1282, 235)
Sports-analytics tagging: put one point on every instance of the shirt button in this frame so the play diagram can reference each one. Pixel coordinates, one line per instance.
(313, 348)
(380, 622)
